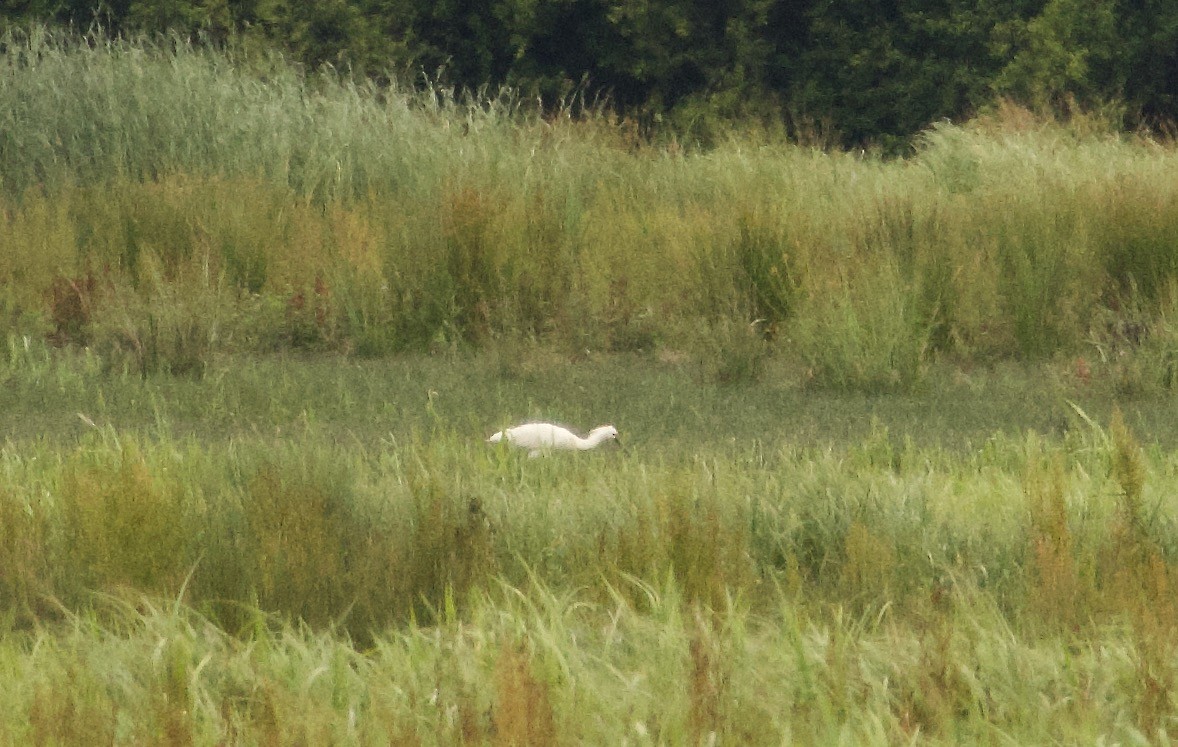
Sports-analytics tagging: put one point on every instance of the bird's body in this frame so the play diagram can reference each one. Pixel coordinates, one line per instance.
(540, 437)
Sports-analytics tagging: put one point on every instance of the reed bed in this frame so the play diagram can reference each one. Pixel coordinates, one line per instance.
(164, 202)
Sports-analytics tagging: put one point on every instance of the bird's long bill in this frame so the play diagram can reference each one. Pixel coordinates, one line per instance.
(621, 445)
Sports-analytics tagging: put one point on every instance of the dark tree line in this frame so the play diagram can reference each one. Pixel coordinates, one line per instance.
(868, 71)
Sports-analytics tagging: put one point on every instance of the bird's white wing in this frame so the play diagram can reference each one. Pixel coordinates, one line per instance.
(531, 435)
(539, 436)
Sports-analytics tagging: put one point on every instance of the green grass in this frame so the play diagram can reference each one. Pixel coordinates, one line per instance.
(675, 406)
(326, 550)
(900, 432)
(554, 668)
(164, 204)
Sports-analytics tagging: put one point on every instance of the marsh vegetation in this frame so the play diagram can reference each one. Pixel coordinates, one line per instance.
(900, 431)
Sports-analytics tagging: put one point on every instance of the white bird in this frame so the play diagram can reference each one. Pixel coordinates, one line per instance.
(540, 437)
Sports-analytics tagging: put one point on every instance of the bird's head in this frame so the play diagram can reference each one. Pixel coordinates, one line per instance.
(605, 433)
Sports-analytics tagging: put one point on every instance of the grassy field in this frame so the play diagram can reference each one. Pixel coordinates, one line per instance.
(317, 550)
(901, 433)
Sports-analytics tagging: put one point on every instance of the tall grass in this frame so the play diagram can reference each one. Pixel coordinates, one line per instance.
(535, 667)
(320, 550)
(364, 535)
(317, 213)
(203, 544)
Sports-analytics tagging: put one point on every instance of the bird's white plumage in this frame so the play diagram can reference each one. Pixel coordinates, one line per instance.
(540, 437)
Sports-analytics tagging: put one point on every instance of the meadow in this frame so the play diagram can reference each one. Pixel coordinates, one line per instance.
(900, 431)
(295, 550)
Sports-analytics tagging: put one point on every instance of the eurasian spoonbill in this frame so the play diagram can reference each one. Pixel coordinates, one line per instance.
(540, 437)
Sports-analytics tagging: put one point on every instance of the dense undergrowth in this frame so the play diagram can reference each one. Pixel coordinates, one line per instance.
(161, 203)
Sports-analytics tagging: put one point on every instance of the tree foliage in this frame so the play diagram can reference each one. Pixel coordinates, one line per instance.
(871, 71)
